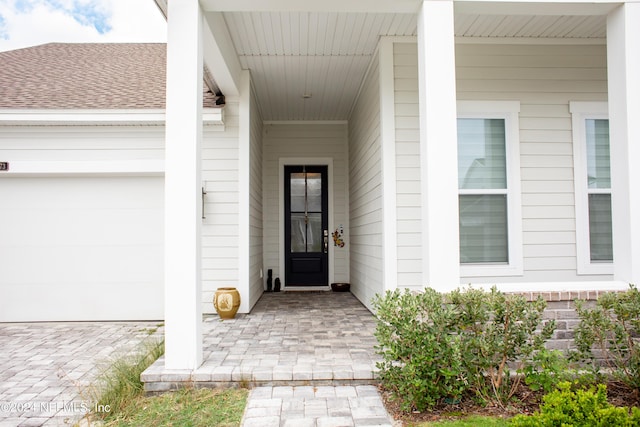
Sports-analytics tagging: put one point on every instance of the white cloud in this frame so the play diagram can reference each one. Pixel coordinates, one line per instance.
(32, 22)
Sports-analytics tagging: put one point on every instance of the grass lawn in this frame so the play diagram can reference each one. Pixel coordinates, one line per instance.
(188, 407)
(120, 399)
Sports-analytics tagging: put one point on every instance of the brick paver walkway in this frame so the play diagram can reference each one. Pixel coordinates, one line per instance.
(308, 406)
(46, 369)
(309, 356)
(289, 338)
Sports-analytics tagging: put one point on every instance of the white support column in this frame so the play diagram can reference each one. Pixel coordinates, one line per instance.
(244, 190)
(623, 63)
(183, 287)
(389, 182)
(438, 145)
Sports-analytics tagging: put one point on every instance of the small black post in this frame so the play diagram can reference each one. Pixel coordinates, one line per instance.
(269, 280)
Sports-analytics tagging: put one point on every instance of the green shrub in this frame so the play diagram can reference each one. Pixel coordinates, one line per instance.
(578, 408)
(498, 331)
(437, 346)
(422, 360)
(609, 332)
(546, 370)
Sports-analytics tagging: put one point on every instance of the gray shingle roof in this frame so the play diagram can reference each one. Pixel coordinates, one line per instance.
(86, 76)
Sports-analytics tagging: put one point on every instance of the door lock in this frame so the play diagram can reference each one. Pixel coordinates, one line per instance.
(326, 241)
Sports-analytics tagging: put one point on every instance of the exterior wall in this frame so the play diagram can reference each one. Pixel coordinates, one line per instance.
(305, 141)
(81, 143)
(365, 190)
(81, 223)
(220, 229)
(139, 144)
(561, 307)
(544, 78)
(256, 282)
(405, 58)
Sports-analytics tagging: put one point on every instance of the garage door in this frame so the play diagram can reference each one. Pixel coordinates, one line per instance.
(81, 248)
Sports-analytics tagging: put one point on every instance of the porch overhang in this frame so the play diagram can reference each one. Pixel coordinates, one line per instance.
(326, 51)
(327, 47)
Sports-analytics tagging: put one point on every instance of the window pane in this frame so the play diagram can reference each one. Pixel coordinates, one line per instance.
(483, 229)
(297, 192)
(298, 232)
(314, 233)
(314, 192)
(600, 234)
(598, 172)
(481, 154)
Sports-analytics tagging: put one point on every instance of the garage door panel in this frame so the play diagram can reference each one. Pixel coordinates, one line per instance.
(82, 192)
(89, 265)
(114, 228)
(52, 304)
(84, 243)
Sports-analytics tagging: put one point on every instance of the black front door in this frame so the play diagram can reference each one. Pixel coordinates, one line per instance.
(306, 226)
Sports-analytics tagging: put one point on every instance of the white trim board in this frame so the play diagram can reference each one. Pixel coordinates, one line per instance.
(154, 117)
(581, 111)
(21, 168)
(509, 111)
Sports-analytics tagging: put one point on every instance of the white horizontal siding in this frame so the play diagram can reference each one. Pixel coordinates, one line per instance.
(220, 228)
(365, 190)
(408, 188)
(544, 79)
(81, 143)
(255, 205)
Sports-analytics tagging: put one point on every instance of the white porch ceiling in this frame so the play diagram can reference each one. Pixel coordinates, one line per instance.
(531, 26)
(293, 54)
(296, 54)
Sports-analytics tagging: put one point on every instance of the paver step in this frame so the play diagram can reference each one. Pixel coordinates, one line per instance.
(339, 406)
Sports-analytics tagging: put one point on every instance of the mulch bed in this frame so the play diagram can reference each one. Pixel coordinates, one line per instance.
(524, 402)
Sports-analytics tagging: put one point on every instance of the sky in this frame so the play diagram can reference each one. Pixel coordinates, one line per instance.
(26, 23)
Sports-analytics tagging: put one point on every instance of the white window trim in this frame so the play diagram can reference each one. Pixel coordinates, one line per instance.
(581, 111)
(509, 111)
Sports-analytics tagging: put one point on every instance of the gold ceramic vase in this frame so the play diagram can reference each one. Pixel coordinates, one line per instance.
(226, 301)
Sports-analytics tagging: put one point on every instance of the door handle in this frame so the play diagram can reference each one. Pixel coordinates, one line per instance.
(326, 241)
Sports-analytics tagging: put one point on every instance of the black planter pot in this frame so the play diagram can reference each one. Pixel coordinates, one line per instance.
(340, 287)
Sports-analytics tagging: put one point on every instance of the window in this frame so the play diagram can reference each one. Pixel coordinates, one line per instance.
(592, 176)
(489, 189)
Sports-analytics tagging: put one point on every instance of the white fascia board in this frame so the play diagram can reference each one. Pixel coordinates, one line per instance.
(540, 7)
(155, 117)
(21, 168)
(344, 6)
(220, 55)
(546, 41)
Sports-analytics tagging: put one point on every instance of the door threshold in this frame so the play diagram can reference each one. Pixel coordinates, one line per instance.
(321, 288)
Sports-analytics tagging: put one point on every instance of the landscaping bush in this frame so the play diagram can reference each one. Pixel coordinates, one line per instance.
(578, 408)
(499, 331)
(422, 360)
(439, 346)
(547, 369)
(607, 335)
